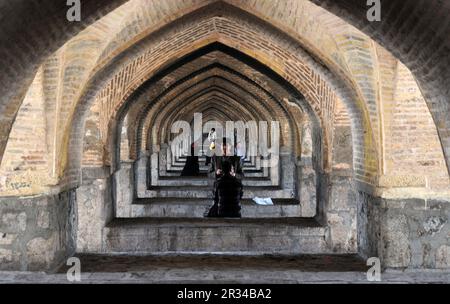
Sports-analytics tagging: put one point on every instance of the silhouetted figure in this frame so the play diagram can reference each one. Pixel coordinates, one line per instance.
(228, 194)
(216, 169)
(192, 167)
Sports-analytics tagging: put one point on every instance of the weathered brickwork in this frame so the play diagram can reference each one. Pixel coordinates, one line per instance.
(26, 163)
(268, 112)
(154, 56)
(413, 147)
(20, 64)
(341, 117)
(423, 49)
(282, 16)
(276, 92)
(220, 94)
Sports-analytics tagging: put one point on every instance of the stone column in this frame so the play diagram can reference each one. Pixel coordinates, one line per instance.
(307, 188)
(124, 189)
(95, 208)
(341, 212)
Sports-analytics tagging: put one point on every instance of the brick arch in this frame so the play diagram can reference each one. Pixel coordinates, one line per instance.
(190, 82)
(321, 21)
(196, 88)
(210, 107)
(212, 113)
(194, 78)
(343, 88)
(228, 86)
(67, 139)
(353, 11)
(424, 47)
(197, 62)
(22, 53)
(215, 101)
(203, 96)
(197, 95)
(211, 110)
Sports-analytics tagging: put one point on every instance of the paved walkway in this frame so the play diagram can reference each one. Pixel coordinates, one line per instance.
(208, 268)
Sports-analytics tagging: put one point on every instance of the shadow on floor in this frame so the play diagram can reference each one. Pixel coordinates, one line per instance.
(307, 263)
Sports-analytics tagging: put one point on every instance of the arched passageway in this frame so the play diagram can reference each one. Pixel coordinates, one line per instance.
(357, 128)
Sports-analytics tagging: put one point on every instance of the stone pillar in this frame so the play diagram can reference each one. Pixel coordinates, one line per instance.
(124, 189)
(337, 209)
(368, 223)
(307, 188)
(405, 233)
(162, 165)
(140, 177)
(95, 209)
(341, 212)
(285, 174)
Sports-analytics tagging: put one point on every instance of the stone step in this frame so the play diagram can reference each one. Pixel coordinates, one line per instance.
(206, 192)
(247, 173)
(195, 208)
(180, 167)
(204, 177)
(202, 160)
(182, 181)
(181, 163)
(147, 236)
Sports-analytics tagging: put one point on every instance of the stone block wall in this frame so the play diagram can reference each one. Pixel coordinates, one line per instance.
(405, 233)
(37, 233)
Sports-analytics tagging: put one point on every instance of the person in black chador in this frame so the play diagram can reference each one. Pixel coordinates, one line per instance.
(227, 155)
(192, 167)
(228, 193)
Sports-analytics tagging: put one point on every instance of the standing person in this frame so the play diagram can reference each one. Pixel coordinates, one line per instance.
(217, 171)
(228, 194)
(228, 155)
(192, 167)
(212, 137)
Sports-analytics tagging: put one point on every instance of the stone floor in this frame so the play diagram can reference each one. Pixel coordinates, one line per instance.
(309, 263)
(210, 268)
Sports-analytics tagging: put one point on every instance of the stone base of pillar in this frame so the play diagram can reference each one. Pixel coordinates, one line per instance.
(405, 233)
(38, 233)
